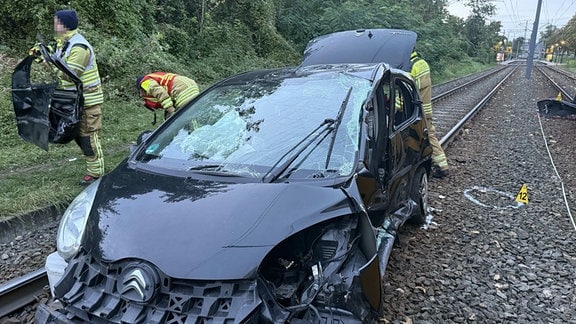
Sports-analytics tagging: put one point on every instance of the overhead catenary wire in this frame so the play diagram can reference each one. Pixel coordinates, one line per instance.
(513, 13)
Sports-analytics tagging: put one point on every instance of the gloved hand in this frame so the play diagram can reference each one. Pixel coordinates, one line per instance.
(35, 51)
(168, 112)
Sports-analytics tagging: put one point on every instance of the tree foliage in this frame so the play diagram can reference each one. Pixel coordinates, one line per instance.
(563, 38)
(211, 39)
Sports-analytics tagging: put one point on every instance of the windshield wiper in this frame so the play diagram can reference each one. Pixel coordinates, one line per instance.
(327, 124)
(204, 167)
(337, 125)
(213, 169)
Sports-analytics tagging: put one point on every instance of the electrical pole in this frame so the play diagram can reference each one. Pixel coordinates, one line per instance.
(525, 39)
(533, 42)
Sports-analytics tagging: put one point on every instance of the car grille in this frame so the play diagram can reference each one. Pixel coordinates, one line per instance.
(91, 292)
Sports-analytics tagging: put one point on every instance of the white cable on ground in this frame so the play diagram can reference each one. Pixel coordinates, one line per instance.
(557, 174)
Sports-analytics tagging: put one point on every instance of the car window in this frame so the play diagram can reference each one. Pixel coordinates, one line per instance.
(252, 126)
(387, 98)
(404, 103)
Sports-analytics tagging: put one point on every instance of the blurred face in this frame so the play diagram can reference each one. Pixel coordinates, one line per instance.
(59, 28)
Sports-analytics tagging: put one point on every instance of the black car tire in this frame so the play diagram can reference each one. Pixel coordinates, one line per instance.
(419, 193)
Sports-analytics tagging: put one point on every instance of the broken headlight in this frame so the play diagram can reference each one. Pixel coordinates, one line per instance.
(73, 222)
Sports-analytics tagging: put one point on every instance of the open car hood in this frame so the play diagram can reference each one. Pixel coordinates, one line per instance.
(391, 46)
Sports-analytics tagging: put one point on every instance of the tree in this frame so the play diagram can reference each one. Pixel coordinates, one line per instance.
(481, 36)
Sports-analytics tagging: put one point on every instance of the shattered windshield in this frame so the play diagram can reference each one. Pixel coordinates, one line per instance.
(309, 124)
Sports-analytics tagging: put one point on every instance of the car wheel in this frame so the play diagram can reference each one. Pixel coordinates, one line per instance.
(419, 193)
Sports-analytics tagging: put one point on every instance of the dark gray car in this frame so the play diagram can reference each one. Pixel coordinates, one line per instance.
(273, 197)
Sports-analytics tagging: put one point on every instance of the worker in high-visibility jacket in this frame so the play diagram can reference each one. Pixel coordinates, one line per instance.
(420, 71)
(166, 91)
(79, 56)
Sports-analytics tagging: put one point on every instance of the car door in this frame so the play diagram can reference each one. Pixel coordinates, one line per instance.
(45, 114)
(404, 140)
(374, 185)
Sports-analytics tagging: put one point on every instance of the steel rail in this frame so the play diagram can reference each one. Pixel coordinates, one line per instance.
(451, 133)
(564, 92)
(464, 85)
(22, 291)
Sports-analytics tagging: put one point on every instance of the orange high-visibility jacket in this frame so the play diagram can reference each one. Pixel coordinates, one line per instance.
(155, 99)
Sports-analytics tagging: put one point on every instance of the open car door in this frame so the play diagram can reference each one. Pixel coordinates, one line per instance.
(557, 107)
(45, 114)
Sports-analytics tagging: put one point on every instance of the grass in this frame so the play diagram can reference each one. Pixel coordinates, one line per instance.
(570, 64)
(458, 69)
(32, 178)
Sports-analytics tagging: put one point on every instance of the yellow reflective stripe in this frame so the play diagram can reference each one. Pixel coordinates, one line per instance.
(95, 164)
(439, 159)
(167, 102)
(427, 108)
(187, 95)
(399, 103)
(419, 69)
(76, 66)
(90, 76)
(94, 98)
(419, 74)
(90, 99)
(67, 85)
(417, 81)
(89, 79)
(167, 78)
(161, 79)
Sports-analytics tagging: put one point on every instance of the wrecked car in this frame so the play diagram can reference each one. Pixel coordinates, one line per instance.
(274, 196)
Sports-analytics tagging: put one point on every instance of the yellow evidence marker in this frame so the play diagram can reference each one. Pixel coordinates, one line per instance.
(522, 195)
(559, 96)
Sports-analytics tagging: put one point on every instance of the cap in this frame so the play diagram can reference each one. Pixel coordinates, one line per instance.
(68, 18)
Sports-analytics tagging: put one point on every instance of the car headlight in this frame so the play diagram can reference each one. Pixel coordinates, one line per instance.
(73, 222)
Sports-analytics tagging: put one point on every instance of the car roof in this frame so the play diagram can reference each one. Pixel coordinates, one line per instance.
(391, 46)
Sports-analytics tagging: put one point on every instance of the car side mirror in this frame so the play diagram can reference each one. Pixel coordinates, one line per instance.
(141, 138)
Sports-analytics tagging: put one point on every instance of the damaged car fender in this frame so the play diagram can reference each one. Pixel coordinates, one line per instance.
(194, 217)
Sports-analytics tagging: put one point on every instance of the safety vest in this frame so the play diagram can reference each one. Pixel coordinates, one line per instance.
(420, 71)
(90, 77)
(164, 79)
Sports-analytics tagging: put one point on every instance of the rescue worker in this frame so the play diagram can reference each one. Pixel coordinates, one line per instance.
(79, 55)
(420, 71)
(167, 91)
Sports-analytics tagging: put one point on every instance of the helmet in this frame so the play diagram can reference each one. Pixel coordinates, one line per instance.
(138, 81)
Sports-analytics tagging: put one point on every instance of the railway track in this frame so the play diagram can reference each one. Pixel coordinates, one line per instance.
(561, 80)
(20, 292)
(454, 104)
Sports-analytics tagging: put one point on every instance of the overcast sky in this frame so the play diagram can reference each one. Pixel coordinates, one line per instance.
(517, 16)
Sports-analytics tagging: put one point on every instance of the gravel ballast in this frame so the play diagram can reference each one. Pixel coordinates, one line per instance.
(487, 258)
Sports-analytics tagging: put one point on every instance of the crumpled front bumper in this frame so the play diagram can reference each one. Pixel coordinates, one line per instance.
(49, 314)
